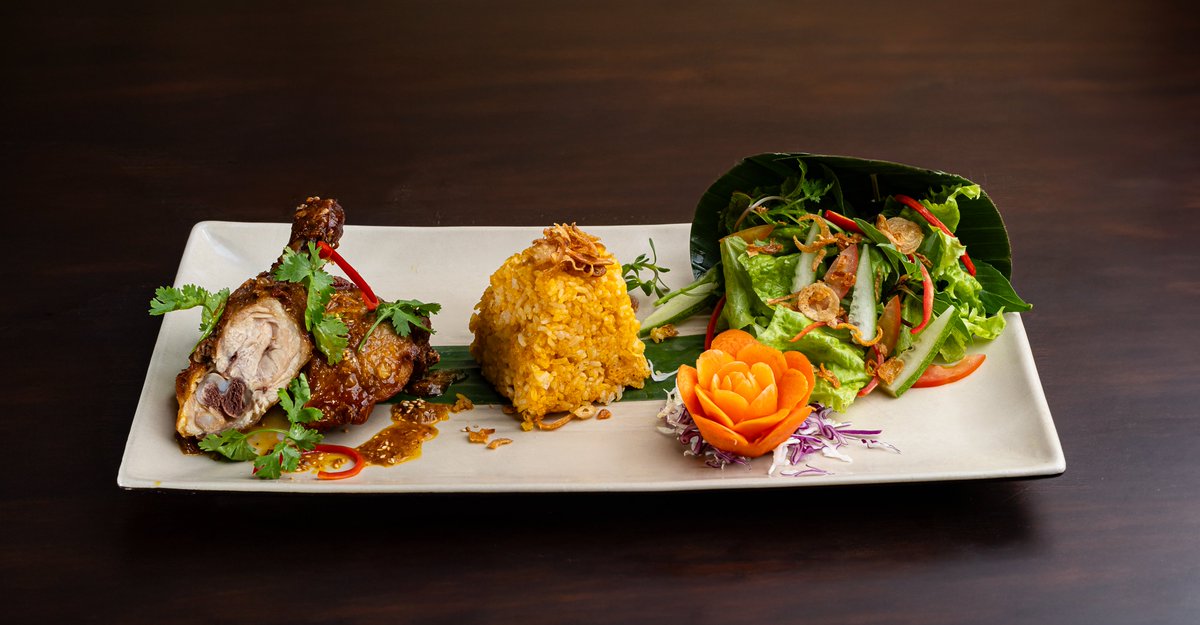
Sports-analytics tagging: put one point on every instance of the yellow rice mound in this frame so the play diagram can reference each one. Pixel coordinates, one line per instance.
(551, 335)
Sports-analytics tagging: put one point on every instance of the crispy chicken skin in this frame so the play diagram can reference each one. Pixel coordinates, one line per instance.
(348, 391)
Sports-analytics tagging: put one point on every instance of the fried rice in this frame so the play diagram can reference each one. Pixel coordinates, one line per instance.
(555, 329)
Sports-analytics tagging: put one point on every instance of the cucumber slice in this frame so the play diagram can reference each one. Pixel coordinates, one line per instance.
(679, 307)
(805, 275)
(924, 348)
(862, 304)
(708, 278)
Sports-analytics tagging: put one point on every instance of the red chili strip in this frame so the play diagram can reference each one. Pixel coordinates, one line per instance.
(926, 300)
(712, 323)
(842, 221)
(329, 253)
(349, 452)
(866, 390)
(935, 222)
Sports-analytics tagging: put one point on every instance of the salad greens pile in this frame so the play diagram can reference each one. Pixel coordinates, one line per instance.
(781, 228)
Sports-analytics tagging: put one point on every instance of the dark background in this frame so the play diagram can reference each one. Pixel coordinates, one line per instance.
(124, 125)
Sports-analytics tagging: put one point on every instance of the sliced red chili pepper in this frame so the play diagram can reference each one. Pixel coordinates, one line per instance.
(926, 299)
(866, 390)
(935, 222)
(712, 323)
(329, 253)
(842, 221)
(349, 452)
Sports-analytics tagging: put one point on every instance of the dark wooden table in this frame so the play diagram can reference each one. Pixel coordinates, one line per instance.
(124, 126)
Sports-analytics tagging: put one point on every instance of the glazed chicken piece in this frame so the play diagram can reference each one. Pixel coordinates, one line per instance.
(260, 344)
(347, 391)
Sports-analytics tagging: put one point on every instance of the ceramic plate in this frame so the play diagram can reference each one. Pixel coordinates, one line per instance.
(993, 424)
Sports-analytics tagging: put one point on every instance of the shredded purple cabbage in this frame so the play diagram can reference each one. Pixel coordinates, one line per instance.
(818, 434)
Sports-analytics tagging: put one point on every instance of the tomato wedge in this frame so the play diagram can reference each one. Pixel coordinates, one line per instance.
(843, 272)
(757, 233)
(889, 321)
(937, 375)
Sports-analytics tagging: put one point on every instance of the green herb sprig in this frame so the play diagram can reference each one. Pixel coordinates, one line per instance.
(285, 456)
(632, 272)
(331, 333)
(403, 315)
(167, 299)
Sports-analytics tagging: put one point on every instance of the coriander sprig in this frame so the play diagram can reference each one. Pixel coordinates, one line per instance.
(331, 333)
(404, 315)
(285, 456)
(632, 272)
(167, 299)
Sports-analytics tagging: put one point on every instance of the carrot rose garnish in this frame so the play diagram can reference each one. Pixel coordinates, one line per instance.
(745, 397)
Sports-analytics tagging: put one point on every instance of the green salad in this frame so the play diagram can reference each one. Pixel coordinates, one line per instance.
(875, 271)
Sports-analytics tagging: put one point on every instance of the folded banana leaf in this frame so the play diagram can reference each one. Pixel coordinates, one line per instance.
(854, 194)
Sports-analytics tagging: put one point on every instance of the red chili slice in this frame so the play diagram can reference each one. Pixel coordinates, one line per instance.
(842, 221)
(935, 222)
(349, 452)
(329, 253)
(926, 299)
(712, 323)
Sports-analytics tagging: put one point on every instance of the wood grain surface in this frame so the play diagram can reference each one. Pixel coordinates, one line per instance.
(125, 125)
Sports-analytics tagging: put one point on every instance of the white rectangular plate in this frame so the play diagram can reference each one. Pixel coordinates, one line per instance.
(993, 424)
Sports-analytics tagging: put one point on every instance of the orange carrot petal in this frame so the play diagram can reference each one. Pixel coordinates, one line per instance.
(710, 409)
(709, 364)
(732, 341)
(757, 352)
(799, 362)
(794, 389)
(686, 380)
(769, 441)
(753, 429)
(720, 436)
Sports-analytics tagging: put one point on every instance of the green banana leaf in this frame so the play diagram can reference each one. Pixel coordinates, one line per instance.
(981, 229)
(664, 357)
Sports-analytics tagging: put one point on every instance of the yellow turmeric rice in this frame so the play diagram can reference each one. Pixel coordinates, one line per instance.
(555, 329)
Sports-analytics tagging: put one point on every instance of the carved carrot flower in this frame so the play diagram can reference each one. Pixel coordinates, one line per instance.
(745, 397)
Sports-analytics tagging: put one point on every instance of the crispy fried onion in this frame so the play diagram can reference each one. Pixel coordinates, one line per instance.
(856, 333)
(584, 412)
(663, 332)
(769, 249)
(478, 435)
(828, 376)
(572, 249)
(818, 302)
(499, 442)
(890, 369)
(904, 234)
(824, 239)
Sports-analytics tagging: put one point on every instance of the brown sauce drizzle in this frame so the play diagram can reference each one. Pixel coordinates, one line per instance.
(412, 424)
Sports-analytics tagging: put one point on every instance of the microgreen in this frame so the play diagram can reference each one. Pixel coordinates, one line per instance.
(632, 272)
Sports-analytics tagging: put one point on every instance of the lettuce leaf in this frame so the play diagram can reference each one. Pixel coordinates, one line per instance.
(821, 346)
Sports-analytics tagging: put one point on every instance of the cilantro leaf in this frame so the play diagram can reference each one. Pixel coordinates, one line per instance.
(231, 443)
(330, 333)
(168, 299)
(303, 437)
(332, 338)
(293, 398)
(269, 466)
(403, 315)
